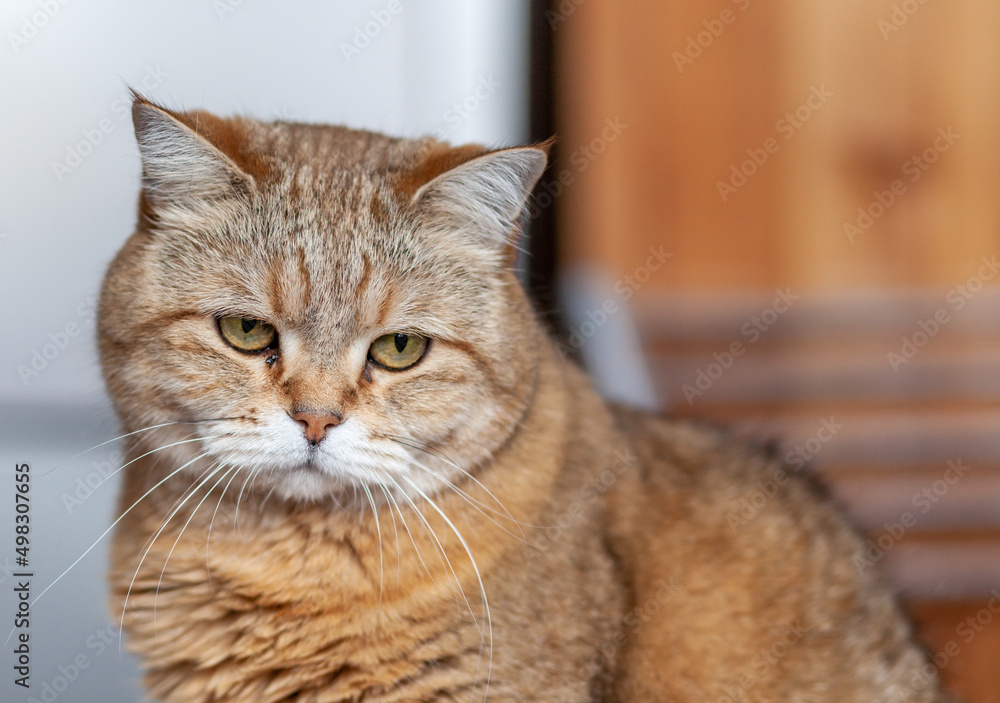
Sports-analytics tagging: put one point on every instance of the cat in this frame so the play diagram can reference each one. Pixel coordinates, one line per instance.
(359, 468)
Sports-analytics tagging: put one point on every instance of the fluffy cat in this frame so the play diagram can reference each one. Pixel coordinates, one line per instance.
(360, 470)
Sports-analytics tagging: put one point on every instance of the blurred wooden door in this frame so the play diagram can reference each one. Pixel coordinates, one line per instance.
(824, 177)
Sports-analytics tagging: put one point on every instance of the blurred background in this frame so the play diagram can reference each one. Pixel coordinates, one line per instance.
(823, 175)
(778, 216)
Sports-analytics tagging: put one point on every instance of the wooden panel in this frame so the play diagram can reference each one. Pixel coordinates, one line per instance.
(888, 95)
(655, 183)
(895, 93)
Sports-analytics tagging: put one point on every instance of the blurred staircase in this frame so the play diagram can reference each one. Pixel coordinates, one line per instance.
(911, 449)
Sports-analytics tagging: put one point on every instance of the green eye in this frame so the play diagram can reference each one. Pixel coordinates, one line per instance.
(247, 334)
(398, 351)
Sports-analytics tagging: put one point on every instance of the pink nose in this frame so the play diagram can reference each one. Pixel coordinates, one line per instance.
(316, 424)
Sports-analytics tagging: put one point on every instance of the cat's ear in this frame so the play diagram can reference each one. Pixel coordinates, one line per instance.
(180, 166)
(484, 195)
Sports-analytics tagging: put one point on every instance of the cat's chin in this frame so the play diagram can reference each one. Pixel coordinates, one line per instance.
(304, 483)
(311, 483)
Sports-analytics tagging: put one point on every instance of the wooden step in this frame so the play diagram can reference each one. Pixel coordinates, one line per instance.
(877, 438)
(840, 374)
(929, 497)
(940, 565)
(856, 314)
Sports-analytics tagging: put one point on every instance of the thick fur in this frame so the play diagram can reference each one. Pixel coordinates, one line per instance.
(477, 527)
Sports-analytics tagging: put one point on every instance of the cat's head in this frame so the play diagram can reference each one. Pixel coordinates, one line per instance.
(324, 307)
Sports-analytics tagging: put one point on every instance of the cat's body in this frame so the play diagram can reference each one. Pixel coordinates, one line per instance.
(474, 525)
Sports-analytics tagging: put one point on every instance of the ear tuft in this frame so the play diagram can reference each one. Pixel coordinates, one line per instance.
(484, 195)
(179, 166)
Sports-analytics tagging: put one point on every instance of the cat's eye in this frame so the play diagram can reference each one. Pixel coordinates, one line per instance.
(247, 334)
(398, 351)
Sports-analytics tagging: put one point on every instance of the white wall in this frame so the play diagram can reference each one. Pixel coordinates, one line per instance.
(59, 230)
(65, 77)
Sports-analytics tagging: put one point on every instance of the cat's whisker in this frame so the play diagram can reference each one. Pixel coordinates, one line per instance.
(134, 432)
(211, 524)
(440, 550)
(479, 507)
(416, 444)
(517, 247)
(253, 479)
(419, 446)
(189, 492)
(105, 534)
(395, 530)
(475, 567)
(236, 515)
(416, 549)
(153, 451)
(159, 582)
(440, 545)
(176, 503)
(117, 520)
(267, 496)
(378, 530)
(180, 498)
(102, 444)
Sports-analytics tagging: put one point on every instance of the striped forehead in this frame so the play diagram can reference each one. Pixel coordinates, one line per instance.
(334, 289)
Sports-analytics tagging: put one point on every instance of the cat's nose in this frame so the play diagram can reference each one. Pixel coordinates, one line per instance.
(316, 423)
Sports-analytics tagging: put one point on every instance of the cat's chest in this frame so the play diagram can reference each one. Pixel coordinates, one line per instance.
(261, 616)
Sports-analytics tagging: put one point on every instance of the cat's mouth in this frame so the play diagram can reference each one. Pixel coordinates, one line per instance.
(312, 466)
(350, 461)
